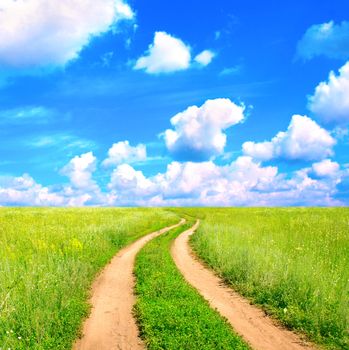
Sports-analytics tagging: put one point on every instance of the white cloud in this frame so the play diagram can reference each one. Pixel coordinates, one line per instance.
(327, 39)
(205, 183)
(330, 102)
(244, 182)
(169, 54)
(23, 190)
(80, 169)
(83, 189)
(326, 168)
(198, 132)
(191, 183)
(205, 57)
(129, 184)
(123, 152)
(46, 33)
(303, 140)
(166, 54)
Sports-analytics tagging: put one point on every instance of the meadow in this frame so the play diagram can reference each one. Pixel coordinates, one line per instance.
(48, 259)
(294, 262)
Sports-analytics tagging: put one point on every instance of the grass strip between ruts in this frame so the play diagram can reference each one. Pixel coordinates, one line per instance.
(171, 314)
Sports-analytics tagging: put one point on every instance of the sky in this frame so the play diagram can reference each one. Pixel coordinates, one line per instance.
(183, 103)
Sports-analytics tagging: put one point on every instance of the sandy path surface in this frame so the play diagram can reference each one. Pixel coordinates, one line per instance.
(111, 325)
(260, 331)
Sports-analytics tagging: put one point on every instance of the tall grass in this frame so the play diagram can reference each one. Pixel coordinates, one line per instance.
(293, 262)
(48, 259)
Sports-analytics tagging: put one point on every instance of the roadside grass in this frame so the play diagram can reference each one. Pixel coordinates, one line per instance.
(170, 313)
(48, 259)
(293, 262)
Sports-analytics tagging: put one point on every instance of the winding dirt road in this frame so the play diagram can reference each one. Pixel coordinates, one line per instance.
(248, 321)
(111, 325)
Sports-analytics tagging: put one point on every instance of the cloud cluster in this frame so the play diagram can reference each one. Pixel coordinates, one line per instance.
(197, 136)
(169, 54)
(330, 101)
(23, 190)
(123, 152)
(79, 170)
(327, 39)
(198, 132)
(49, 33)
(202, 183)
(130, 184)
(244, 182)
(303, 140)
(326, 168)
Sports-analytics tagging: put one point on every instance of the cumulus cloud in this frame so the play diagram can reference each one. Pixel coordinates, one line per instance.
(49, 33)
(23, 190)
(123, 152)
(212, 183)
(303, 140)
(205, 57)
(82, 189)
(326, 168)
(126, 182)
(198, 132)
(166, 54)
(327, 39)
(330, 102)
(79, 170)
(192, 183)
(169, 54)
(244, 182)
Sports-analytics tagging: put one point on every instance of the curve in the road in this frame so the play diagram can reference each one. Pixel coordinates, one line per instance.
(111, 325)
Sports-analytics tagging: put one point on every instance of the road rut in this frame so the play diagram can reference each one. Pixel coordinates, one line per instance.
(251, 323)
(111, 325)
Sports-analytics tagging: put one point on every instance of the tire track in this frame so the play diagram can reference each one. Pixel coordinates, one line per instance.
(111, 325)
(251, 323)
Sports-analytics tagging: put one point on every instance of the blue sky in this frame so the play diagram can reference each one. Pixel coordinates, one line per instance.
(121, 102)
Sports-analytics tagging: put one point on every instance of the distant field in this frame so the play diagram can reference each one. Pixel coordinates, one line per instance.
(48, 258)
(294, 262)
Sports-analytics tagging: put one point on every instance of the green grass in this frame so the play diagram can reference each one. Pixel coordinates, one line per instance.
(171, 314)
(48, 259)
(294, 262)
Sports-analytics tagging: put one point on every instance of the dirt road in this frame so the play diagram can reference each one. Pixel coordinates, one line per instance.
(111, 325)
(250, 322)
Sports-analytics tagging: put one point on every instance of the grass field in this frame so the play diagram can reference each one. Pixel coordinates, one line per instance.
(293, 262)
(171, 314)
(48, 258)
